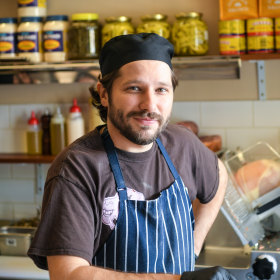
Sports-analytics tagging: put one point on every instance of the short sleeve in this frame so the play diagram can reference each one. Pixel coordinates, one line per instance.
(67, 223)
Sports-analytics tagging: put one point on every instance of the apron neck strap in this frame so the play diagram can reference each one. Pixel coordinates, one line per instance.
(114, 163)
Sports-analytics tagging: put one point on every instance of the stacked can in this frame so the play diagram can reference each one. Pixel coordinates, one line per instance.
(260, 35)
(232, 37)
(277, 35)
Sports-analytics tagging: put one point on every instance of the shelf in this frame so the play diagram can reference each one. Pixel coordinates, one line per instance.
(24, 158)
(260, 56)
(187, 68)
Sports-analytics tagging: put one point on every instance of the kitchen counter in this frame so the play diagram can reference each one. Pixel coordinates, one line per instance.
(20, 268)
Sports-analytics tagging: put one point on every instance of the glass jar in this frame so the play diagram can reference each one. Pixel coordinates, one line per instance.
(190, 34)
(156, 23)
(8, 28)
(116, 26)
(84, 36)
(54, 38)
(32, 8)
(29, 39)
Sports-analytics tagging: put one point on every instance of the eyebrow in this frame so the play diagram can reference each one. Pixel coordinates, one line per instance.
(141, 82)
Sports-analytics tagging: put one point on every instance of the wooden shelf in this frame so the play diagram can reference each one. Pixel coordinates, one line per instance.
(24, 158)
(260, 56)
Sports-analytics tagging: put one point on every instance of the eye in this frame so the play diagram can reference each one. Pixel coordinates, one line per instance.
(133, 89)
(162, 90)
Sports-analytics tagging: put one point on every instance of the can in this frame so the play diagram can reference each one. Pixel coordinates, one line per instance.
(277, 35)
(232, 37)
(260, 35)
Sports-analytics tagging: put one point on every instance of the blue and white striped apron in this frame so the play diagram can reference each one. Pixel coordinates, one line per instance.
(151, 236)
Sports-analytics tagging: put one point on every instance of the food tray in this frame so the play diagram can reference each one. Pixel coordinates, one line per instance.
(15, 241)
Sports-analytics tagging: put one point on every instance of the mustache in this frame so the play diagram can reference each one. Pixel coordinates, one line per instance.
(145, 114)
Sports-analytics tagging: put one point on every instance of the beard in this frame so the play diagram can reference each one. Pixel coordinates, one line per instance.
(141, 136)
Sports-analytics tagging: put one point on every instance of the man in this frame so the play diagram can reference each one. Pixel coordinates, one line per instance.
(117, 202)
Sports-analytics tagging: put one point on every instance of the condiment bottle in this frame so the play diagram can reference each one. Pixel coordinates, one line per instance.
(34, 136)
(32, 8)
(54, 38)
(46, 136)
(29, 39)
(58, 141)
(8, 28)
(74, 123)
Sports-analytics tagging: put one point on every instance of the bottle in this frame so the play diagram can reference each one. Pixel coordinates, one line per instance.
(29, 39)
(8, 28)
(58, 142)
(34, 136)
(46, 135)
(54, 38)
(74, 123)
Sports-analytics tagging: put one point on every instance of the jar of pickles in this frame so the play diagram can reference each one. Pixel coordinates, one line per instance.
(189, 34)
(115, 26)
(156, 23)
(84, 36)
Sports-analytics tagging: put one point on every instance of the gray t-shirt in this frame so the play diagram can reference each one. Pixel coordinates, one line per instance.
(80, 204)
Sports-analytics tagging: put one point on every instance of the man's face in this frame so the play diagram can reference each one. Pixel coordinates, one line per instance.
(141, 101)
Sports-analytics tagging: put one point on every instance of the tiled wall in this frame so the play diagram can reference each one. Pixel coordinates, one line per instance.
(240, 123)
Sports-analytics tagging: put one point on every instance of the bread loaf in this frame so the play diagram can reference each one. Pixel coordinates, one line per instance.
(190, 125)
(213, 142)
(257, 178)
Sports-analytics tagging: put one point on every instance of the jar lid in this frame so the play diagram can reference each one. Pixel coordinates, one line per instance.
(194, 15)
(31, 19)
(154, 17)
(118, 19)
(85, 16)
(57, 17)
(8, 20)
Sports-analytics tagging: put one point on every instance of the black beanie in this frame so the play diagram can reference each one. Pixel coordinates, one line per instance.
(123, 49)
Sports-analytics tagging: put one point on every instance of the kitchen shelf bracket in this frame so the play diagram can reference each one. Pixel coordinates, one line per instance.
(40, 178)
(261, 78)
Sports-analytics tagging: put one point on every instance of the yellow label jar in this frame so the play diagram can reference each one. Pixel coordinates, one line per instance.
(277, 34)
(84, 36)
(116, 26)
(29, 39)
(190, 34)
(8, 28)
(54, 38)
(32, 8)
(156, 23)
(260, 38)
(232, 37)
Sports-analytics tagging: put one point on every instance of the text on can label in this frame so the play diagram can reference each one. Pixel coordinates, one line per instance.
(53, 41)
(28, 42)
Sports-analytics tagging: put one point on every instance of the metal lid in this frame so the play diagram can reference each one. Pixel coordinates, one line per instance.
(31, 19)
(57, 18)
(85, 16)
(118, 19)
(189, 15)
(8, 20)
(154, 17)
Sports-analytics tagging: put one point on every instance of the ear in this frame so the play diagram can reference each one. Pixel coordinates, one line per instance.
(103, 94)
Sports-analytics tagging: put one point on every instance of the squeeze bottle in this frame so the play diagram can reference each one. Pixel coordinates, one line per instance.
(34, 136)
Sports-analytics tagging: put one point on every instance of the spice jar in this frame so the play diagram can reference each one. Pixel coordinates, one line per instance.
(190, 34)
(84, 36)
(277, 34)
(29, 39)
(8, 28)
(54, 38)
(116, 26)
(156, 23)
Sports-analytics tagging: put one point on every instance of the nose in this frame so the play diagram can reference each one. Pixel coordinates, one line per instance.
(148, 101)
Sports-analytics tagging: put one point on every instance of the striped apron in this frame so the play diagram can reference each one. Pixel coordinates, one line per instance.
(151, 236)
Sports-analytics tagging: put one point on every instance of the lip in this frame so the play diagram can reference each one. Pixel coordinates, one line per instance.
(146, 121)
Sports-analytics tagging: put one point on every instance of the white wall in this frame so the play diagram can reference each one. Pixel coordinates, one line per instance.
(240, 123)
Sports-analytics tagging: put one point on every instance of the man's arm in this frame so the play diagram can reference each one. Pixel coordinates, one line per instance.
(75, 268)
(205, 214)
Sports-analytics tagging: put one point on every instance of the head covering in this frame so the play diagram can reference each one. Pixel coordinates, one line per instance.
(123, 49)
